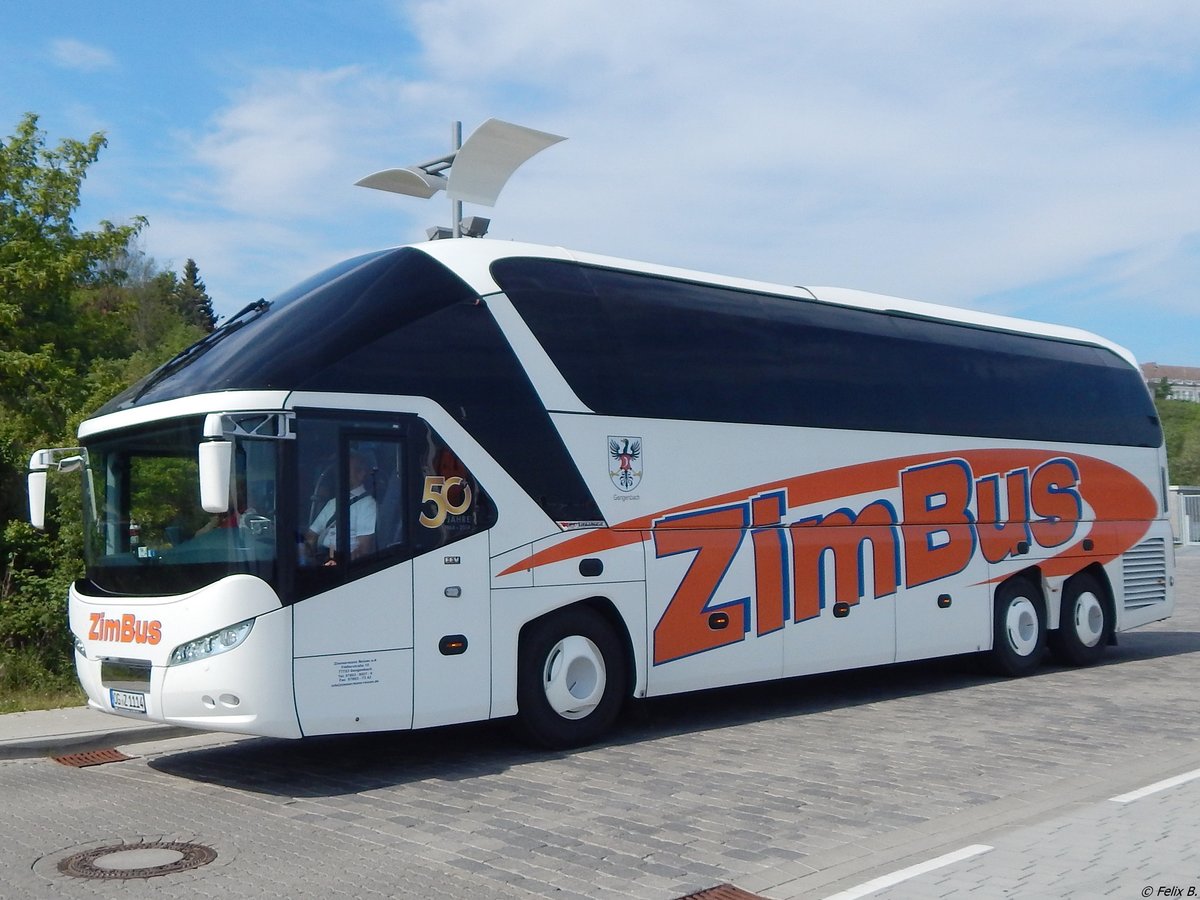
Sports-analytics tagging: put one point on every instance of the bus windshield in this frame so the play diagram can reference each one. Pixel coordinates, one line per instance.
(145, 530)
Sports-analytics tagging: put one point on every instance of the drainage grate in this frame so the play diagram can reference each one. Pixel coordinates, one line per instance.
(722, 892)
(140, 860)
(92, 758)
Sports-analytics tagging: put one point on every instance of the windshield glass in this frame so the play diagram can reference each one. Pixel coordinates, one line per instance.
(146, 532)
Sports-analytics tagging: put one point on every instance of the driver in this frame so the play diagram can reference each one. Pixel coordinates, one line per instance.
(322, 533)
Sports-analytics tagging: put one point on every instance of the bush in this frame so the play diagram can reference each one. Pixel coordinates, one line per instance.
(33, 595)
(25, 670)
(28, 682)
(1181, 424)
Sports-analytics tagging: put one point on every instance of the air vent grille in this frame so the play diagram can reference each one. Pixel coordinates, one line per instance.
(1145, 574)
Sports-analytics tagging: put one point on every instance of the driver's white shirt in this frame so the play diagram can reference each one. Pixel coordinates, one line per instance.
(362, 520)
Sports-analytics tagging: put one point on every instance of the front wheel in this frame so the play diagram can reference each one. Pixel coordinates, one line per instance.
(1084, 624)
(571, 679)
(1019, 635)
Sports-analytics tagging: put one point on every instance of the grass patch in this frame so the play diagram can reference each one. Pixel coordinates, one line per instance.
(25, 700)
(27, 682)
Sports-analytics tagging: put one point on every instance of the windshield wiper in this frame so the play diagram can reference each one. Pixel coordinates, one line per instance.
(246, 314)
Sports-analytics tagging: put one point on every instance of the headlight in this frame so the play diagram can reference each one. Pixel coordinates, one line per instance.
(211, 644)
(79, 648)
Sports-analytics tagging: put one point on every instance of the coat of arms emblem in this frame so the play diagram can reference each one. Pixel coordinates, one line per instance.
(625, 462)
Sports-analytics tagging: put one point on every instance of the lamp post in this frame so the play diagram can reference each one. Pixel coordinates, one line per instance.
(455, 203)
(474, 171)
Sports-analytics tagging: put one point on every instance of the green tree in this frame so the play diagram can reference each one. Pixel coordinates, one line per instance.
(83, 314)
(1181, 427)
(44, 263)
(194, 302)
(1186, 469)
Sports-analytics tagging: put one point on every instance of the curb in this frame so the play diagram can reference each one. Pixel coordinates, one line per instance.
(58, 744)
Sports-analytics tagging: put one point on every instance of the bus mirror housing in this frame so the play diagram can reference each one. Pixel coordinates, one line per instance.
(37, 499)
(40, 465)
(216, 458)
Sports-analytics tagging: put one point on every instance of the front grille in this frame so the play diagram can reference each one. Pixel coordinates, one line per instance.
(1145, 574)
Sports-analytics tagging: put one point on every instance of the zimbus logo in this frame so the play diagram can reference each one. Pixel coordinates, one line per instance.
(126, 629)
(917, 520)
(946, 516)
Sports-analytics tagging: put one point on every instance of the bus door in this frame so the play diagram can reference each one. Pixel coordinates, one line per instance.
(713, 603)
(353, 614)
(392, 620)
(945, 606)
(451, 587)
(843, 611)
(950, 554)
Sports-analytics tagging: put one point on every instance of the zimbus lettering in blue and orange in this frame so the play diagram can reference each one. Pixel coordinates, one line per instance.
(934, 535)
(930, 516)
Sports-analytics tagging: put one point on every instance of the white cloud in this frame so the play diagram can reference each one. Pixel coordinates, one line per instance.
(947, 152)
(292, 141)
(269, 193)
(69, 53)
(931, 148)
(282, 137)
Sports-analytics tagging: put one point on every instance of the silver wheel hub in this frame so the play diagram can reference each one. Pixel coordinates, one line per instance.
(574, 677)
(1088, 619)
(1021, 626)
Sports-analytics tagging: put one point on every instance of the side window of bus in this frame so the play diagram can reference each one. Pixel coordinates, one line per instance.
(386, 483)
(352, 481)
(396, 490)
(453, 505)
(317, 502)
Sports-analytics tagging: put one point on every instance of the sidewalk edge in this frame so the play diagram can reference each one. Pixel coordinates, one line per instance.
(58, 744)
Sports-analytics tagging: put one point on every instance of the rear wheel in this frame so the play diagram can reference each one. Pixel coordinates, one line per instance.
(1084, 624)
(571, 678)
(1019, 636)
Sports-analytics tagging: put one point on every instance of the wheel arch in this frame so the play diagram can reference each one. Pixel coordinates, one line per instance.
(571, 687)
(1019, 644)
(1100, 574)
(604, 607)
(1033, 575)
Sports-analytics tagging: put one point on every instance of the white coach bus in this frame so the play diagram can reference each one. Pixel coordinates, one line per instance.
(473, 479)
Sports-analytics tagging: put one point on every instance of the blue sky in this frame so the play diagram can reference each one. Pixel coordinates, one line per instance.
(1024, 158)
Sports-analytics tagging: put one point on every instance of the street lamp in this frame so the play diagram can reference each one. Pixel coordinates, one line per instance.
(475, 171)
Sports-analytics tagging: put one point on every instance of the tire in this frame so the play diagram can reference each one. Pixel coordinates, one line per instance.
(571, 679)
(1085, 622)
(1019, 628)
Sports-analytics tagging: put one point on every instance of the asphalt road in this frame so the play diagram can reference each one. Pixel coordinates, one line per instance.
(919, 780)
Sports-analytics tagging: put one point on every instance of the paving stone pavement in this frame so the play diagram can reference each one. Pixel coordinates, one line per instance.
(1104, 851)
(1147, 848)
(798, 789)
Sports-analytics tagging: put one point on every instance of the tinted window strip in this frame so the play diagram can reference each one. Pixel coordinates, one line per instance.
(632, 344)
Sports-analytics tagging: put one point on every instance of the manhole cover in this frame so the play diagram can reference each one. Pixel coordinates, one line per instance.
(91, 758)
(141, 860)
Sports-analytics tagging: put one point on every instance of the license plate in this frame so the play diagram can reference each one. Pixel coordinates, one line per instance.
(128, 701)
